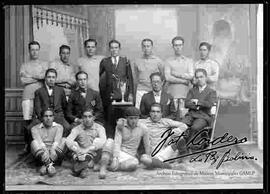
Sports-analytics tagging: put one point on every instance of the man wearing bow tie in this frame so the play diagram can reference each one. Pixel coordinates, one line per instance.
(157, 95)
(112, 70)
(82, 98)
(53, 97)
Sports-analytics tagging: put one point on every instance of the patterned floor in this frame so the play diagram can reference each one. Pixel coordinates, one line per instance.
(240, 171)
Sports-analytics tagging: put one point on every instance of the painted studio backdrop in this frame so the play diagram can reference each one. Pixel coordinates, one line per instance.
(231, 29)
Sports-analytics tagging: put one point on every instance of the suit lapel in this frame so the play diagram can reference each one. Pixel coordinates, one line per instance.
(56, 94)
(163, 98)
(152, 97)
(88, 97)
(45, 93)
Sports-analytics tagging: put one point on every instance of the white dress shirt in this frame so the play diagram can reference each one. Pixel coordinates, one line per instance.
(50, 90)
(157, 96)
(115, 62)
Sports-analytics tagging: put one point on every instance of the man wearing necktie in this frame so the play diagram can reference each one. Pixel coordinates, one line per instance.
(83, 98)
(53, 97)
(199, 101)
(114, 69)
(157, 95)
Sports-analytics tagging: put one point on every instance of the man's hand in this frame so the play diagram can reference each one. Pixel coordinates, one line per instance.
(53, 154)
(195, 101)
(130, 98)
(120, 124)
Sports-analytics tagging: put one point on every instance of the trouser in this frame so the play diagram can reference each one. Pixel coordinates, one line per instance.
(125, 161)
(195, 126)
(139, 95)
(112, 113)
(179, 103)
(44, 156)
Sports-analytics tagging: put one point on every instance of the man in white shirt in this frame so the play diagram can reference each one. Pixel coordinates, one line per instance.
(143, 67)
(179, 73)
(90, 63)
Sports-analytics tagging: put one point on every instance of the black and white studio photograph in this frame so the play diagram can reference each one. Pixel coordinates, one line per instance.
(133, 97)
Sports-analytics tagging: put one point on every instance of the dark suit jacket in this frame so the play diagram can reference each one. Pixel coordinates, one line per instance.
(107, 82)
(206, 98)
(42, 102)
(166, 101)
(77, 103)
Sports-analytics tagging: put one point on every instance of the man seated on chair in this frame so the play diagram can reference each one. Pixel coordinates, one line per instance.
(47, 145)
(157, 95)
(156, 126)
(85, 142)
(51, 96)
(81, 98)
(199, 101)
(121, 152)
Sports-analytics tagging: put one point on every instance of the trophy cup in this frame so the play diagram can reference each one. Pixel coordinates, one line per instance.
(121, 84)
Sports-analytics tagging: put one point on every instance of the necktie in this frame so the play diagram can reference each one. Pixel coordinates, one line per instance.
(114, 62)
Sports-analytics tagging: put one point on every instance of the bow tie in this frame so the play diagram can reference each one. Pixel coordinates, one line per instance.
(83, 90)
(51, 87)
(156, 94)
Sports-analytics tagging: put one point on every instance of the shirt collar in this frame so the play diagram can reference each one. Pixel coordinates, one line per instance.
(179, 57)
(157, 93)
(48, 88)
(93, 57)
(42, 126)
(202, 88)
(149, 57)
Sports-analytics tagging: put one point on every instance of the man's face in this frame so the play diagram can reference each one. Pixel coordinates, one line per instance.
(147, 48)
(82, 80)
(155, 114)
(204, 52)
(114, 48)
(64, 55)
(156, 83)
(88, 119)
(48, 118)
(132, 121)
(50, 79)
(90, 49)
(201, 78)
(178, 47)
(34, 52)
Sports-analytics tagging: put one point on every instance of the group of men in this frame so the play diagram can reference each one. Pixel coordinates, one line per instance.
(68, 108)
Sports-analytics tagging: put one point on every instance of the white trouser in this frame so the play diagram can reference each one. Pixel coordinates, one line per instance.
(166, 153)
(139, 96)
(123, 156)
(27, 108)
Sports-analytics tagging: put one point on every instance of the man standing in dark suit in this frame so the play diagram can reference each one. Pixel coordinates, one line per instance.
(112, 70)
(199, 101)
(83, 98)
(157, 95)
(53, 97)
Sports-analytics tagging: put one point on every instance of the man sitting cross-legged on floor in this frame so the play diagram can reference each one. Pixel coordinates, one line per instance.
(85, 142)
(121, 152)
(156, 126)
(47, 145)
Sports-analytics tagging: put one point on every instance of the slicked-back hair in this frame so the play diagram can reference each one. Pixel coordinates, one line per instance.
(114, 41)
(178, 38)
(33, 43)
(45, 110)
(155, 104)
(52, 70)
(79, 73)
(88, 109)
(156, 74)
(63, 46)
(208, 46)
(200, 70)
(147, 40)
(90, 40)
